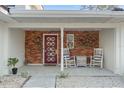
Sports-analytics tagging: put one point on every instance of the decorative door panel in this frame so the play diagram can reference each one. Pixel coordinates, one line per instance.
(50, 49)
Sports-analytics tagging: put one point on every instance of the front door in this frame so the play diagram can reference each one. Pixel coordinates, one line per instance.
(50, 49)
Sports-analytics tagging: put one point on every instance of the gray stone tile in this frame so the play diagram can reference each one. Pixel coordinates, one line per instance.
(41, 81)
(44, 77)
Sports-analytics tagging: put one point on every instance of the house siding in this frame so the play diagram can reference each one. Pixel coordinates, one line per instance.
(84, 42)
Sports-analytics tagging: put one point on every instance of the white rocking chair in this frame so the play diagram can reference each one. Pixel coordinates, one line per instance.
(97, 58)
(68, 60)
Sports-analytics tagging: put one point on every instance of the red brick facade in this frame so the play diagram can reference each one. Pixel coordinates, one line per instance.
(84, 42)
(34, 46)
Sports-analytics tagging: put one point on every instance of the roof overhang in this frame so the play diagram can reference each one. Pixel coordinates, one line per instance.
(67, 16)
(39, 13)
(5, 18)
(31, 16)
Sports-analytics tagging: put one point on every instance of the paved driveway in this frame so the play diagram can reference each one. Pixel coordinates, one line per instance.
(45, 77)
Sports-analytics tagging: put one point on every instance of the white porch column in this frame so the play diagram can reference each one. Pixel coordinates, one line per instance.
(120, 50)
(117, 41)
(121, 46)
(62, 61)
(3, 49)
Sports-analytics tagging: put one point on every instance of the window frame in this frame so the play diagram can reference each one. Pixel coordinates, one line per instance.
(70, 41)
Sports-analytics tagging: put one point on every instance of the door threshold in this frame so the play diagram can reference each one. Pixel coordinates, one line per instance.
(50, 64)
(35, 64)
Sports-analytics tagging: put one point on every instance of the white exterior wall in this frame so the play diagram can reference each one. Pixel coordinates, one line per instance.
(113, 46)
(120, 49)
(3, 48)
(17, 45)
(12, 44)
(107, 42)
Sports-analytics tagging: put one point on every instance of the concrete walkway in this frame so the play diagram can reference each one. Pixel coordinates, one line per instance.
(42, 76)
(45, 77)
(41, 82)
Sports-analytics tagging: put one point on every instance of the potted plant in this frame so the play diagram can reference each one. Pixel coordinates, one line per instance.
(12, 63)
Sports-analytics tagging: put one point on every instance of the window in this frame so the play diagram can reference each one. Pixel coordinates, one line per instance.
(70, 41)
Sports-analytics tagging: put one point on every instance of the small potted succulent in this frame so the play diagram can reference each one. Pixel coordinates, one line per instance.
(12, 63)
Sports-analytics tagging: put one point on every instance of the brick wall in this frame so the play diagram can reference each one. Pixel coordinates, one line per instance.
(34, 46)
(84, 42)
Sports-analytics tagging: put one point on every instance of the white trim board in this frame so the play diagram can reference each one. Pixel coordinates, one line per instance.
(35, 64)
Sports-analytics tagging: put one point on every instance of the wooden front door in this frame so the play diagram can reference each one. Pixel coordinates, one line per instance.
(50, 49)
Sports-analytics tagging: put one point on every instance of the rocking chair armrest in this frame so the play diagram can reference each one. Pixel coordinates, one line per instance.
(72, 57)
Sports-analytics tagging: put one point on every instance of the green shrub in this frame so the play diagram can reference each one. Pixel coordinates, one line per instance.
(25, 74)
(63, 74)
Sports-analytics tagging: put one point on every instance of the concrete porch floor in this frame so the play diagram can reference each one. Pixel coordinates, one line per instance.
(45, 76)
